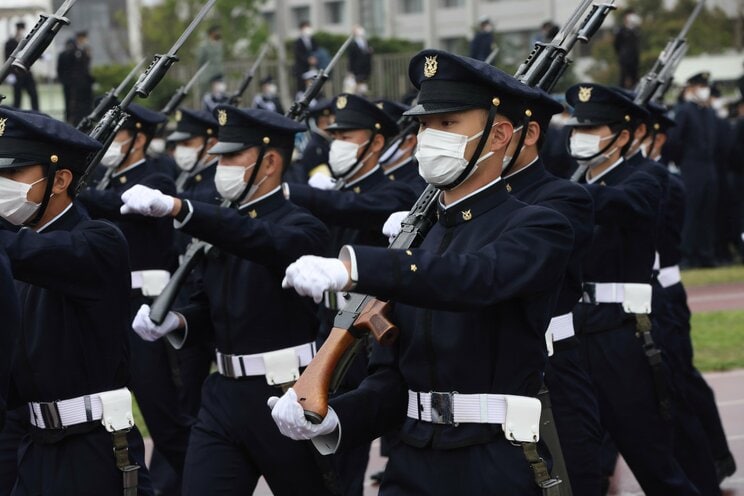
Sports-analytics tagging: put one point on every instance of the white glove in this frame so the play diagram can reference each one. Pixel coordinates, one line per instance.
(290, 418)
(311, 276)
(146, 201)
(321, 181)
(149, 330)
(392, 225)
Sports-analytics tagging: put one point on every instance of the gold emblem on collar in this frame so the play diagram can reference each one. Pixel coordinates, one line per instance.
(2, 125)
(253, 214)
(179, 116)
(380, 105)
(123, 179)
(467, 215)
(430, 66)
(585, 93)
(198, 178)
(222, 117)
(391, 177)
(357, 190)
(341, 102)
(414, 268)
(508, 188)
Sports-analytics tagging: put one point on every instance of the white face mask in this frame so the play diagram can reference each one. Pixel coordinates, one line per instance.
(589, 145)
(219, 88)
(14, 204)
(441, 156)
(186, 157)
(702, 94)
(343, 156)
(230, 182)
(307, 32)
(271, 90)
(114, 154)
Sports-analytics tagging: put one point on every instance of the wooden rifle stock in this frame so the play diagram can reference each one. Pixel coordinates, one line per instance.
(337, 353)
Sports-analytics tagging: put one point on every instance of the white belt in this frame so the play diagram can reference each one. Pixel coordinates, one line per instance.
(279, 366)
(635, 297)
(518, 415)
(669, 276)
(151, 282)
(66, 413)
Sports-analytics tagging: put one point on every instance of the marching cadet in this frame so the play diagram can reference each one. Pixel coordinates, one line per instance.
(264, 335)
(355, 213)
(612, 317)
(398, 161)
(472, 304)
(71, 364)
(571, 391)
(194, 137)
(314, 158)
(152, 258)
(697, 391)
(692, 147)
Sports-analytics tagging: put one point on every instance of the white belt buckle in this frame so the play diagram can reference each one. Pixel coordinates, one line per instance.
(117, 410)
(637, 298)
(522, 423)
(282, 366)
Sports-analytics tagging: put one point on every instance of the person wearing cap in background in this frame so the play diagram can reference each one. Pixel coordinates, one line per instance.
(305, 59)
(152, 256)
(264, 335)
(691, 145)
(216, 94)
(21, 81)
(307, 79)
(690, 444)
(195, 135)
(727, 234)
(612, 318)
(355, 207)
(314, 159)
(211, 50)
(398, 161)
(73, 71)
(693, 385)
(268, 98)
(71, 365)
(360, 63)
(472, 304)
(482, 43)
(570, 388)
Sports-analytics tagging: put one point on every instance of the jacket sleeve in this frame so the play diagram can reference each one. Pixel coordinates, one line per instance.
(75, 262)
(10, 311)
(106, 204)
(367, 211)
(274, 245)
(634, 200)
(530, 256)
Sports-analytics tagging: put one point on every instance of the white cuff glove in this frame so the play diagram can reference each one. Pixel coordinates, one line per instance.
(149, 330)
(311, 276)
(290, 418)
(392, 225)
(321, 181)
(142, 200)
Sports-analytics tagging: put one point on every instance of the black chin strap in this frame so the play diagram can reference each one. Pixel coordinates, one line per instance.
(478, 149)
(520, 143)
(47, 195)
(129, 150)
(252, 179)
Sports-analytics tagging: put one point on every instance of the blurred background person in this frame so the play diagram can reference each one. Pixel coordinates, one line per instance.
(268, 97)
(212, 51)
(304, 54)
(627, 46)
(73, 71)
(21, 81)
(482, 43)
(360, 63)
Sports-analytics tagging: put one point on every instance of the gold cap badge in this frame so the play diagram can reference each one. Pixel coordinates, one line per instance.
(222, 117)
(430, 66)
(2, 125)
(585, 93)
(341, 102)
(179, 116)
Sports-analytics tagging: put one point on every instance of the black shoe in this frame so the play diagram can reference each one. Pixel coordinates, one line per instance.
(725, 467)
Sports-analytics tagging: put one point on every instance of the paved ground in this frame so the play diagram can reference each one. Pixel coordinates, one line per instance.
(717, 297)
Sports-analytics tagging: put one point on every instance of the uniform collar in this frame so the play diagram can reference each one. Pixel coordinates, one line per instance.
(202, 167)
(64, 221)
(399, 166)
(473, 205)
(525, 176)
(263, 205)
(636, 159)
(367, 181)
(604, 174)
(130, 168)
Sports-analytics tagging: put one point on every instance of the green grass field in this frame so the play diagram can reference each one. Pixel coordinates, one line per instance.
(721, 275)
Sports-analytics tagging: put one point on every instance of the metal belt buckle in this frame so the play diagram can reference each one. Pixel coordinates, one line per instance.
(50, 415)
(442, 408)
(589, 293)
(227, 365)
